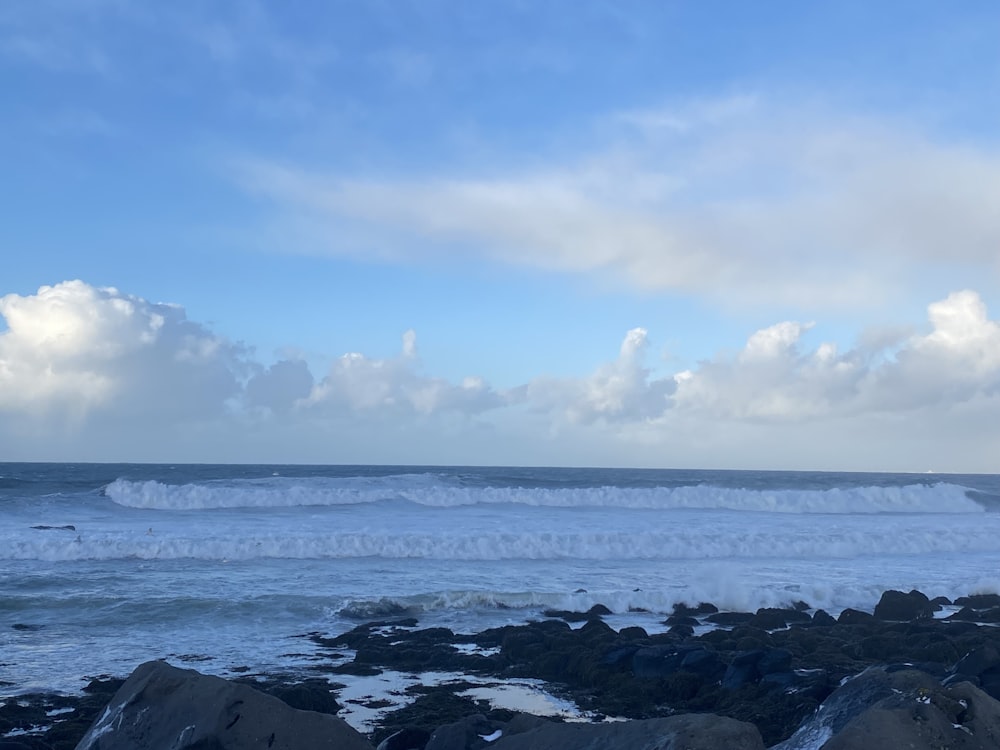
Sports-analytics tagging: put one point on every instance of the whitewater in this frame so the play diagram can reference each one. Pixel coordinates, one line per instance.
(228, 567)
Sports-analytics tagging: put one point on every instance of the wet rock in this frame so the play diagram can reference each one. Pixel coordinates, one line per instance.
(769, 618)
(469, 733)
(823, 618)
(160, 706)
(978, 661)
(979, 601)
(704, 608)
(775, 660)
(743, 670)
(729, 619)
(689, 731)
(854, 617)
(895, 605)
(405, 739)
(927, 717)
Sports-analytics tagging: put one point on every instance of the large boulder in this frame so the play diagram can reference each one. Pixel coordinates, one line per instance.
(895, 605)
(960, 717)
(160, 707)
(688, 731)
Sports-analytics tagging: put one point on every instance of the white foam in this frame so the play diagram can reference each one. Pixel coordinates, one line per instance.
(469, 545)
(437, 492)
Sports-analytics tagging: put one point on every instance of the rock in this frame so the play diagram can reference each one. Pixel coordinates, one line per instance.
(405, 739)
(978, 660)
(768, 618)
(704, 608)
(775, 660)
(681, 620)
(895, 605)
(743, 669)
(633, 633)
(822, 617)
(854, 617)
(160, 706)
(925, 718)
(688, 731)
(845, 703)
(465, 734)
(979, 601)
(728, 619)
(656, 662)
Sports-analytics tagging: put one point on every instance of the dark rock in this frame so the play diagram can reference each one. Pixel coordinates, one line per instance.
(599, 610)
(468, 733)
(941, 601)
(778, 680)
(771, 619)
(822, 617)
(656, 662)
(633, 633)
(991, 615)
(688, 731)
(979, 601)
(405, 739)
(845, 703)
(800, 606)
(965, 614)
(620, 656)
(925, 718)
(704, 608)
(775, 660)
(681, 631)
(681, 620)
(895, 605)
(703, 663)
(743, 670)
(978, 660)
(728, 619)
(855, 617)
(163, 706)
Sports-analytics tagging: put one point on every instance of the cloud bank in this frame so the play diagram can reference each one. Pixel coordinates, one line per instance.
(75, 358)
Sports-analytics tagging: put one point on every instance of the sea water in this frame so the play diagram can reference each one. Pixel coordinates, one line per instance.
(226, 568)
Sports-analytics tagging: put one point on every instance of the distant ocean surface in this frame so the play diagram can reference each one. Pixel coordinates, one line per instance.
(226, 566)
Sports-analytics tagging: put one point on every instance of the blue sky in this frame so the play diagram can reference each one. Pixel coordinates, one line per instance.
(662, 234)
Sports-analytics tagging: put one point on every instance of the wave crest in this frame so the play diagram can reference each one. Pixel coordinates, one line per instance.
(282, 492)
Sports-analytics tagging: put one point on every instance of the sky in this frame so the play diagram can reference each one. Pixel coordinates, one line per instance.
(573, 233)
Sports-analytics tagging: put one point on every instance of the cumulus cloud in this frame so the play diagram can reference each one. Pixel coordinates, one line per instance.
(363, 386)
(775, 378)
(741, 199)
(619, 391)
(72, 349)
(279, 387)
(73, 355)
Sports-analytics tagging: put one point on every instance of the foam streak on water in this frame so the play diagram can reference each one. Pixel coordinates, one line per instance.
(229, 565)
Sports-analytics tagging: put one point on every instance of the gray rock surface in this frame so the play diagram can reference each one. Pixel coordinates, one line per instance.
(160, 707)
(687, 731)
(960, 717)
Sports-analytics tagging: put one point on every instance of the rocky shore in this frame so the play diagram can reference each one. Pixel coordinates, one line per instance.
(912, 673)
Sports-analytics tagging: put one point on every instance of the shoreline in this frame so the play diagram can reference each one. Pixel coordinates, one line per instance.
(773, 667)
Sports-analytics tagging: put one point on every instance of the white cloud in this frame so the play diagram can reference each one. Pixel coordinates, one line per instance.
(73, 349)
(773, 378)
(100, 373)
(384, 388)
(738, 199)
(619, 391)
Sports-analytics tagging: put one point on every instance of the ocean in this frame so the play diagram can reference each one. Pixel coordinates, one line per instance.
(225, 568)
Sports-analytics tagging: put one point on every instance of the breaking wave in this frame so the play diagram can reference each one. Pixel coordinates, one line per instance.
(439, 492)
